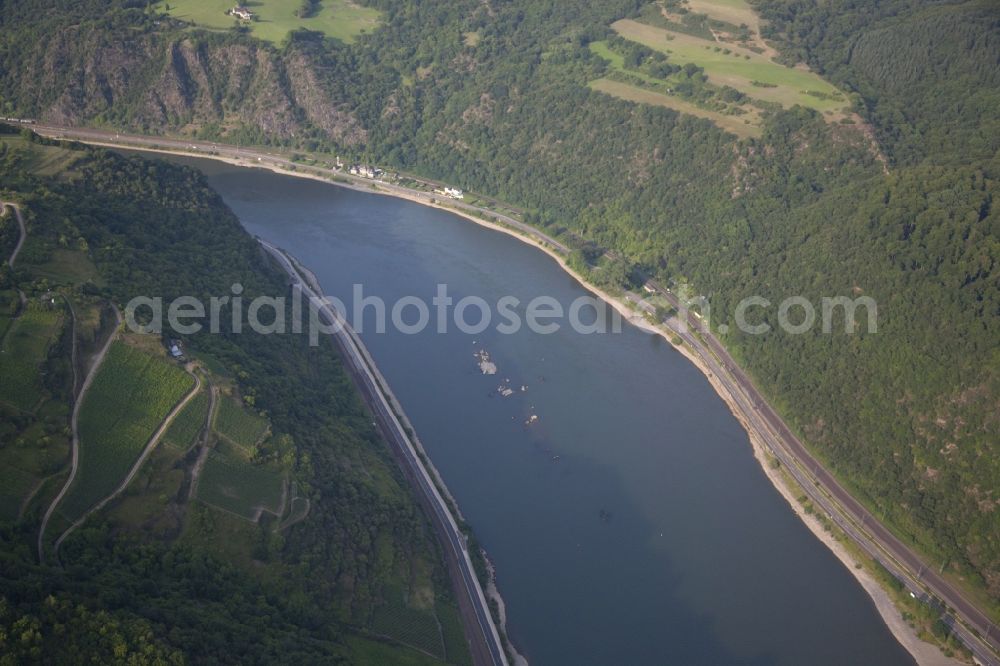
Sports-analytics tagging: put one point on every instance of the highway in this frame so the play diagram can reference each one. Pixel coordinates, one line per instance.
(487, 648)
(839, 505)
(970, 624)
(254, 157)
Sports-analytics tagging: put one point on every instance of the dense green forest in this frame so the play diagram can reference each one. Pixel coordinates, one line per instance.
(898, 205)
(307, 594)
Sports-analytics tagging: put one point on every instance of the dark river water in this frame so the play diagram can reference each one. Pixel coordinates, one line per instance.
(629, 523)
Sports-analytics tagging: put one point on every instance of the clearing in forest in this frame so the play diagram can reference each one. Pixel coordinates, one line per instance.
(706, 58)
(747, 71)
(274, 19)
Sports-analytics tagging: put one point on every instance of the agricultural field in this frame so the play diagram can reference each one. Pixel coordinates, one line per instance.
(40, 159)
(456, 649)
(363, 650)
(735, 12)
(411, 626)
(131, 395)
(187, 425)
(145, 503)
(232, 483)
(238, 425)
(634, 85)
(747, 71)
(340, 19)
(8, 308)
(739, 125)
(24, 350)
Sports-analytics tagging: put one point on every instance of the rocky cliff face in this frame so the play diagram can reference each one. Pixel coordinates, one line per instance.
(181, 83)
(309, 94)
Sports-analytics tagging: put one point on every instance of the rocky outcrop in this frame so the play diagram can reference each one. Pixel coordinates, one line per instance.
(182, 82)
(313, 97)
(101, 73)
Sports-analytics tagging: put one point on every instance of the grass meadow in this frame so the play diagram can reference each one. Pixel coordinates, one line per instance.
(341, 19)
(739, 68)
(734, 124)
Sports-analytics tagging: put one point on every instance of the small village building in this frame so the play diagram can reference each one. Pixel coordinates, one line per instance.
(242, 13)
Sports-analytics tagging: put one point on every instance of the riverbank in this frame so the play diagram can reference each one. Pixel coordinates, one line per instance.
(758, 439)
(384, 406)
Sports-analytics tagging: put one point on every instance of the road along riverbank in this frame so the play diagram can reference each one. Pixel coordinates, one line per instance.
(472, 601)
(700, 351)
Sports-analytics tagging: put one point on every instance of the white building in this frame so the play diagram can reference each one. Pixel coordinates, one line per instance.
(241, 12)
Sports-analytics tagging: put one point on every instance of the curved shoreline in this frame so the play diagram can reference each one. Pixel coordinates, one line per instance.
(427, 480)
(924, 653)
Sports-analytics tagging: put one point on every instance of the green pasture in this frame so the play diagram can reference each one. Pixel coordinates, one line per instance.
(341, 19)
(739, 68)
(734, 124)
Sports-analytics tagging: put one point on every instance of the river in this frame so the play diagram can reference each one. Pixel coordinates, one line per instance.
(629, 523)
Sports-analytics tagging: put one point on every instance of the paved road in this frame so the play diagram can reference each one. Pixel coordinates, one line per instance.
(203, 441)
(487, 648)
(262, 158)
(829, 493)
(824, 490)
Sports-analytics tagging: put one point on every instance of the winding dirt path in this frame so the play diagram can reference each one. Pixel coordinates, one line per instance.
(73, 344)
(199, 465)
(298, 519)
(98, 360)
(20, 223)
(34, 491)
(148, 449)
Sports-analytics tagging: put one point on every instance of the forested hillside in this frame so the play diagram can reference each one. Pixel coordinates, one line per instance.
(928, 73)
(168, 580)
(493, 96)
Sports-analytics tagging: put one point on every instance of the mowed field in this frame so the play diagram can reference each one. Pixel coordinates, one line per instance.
(44, 160)
(25, 349)
(734, 124)
(739, 68)
(737, 124)
(8, 308)
(341, 19)
(731, 11)
(131, 395)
